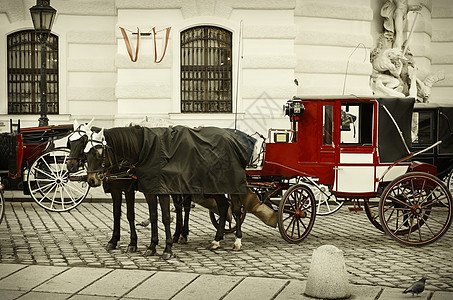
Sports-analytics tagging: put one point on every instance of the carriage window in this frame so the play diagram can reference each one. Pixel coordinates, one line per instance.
(24, 73)
(422, 127)
(206, 70)
(357, 124)
(328, 125)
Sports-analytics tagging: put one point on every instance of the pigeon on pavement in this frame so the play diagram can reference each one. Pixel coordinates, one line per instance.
(416, 288)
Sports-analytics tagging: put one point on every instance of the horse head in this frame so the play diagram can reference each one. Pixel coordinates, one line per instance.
(95, 152)
(76, 143)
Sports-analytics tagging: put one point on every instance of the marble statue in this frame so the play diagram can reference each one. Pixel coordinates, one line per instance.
(394, 69)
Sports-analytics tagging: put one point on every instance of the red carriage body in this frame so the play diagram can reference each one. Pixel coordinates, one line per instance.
(359, 147)
(318, 148)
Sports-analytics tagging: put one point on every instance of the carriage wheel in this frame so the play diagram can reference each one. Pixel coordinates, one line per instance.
(372, 212)
(450, 181)
(49, 184)
(296, 213)
(2, 205)
(326, 202)
(416, 208)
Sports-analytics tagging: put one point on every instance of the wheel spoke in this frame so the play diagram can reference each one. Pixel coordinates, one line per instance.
(391, 214)
(43, 188)
(49, 167)
(399, 227)
(290, 223)
(299, 220)
(409, 231)
(70, 195)
(436, 200)
(419, 229)
(291, 204)
(419, 194)
(60, 189)
(52, 202)
(428, 196)
(431, 218)
(45, 173)
(298, 228)
(297, 199)
(74, 188)
(398, 201)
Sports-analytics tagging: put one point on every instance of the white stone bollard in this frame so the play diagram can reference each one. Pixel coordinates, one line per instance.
(327, 278)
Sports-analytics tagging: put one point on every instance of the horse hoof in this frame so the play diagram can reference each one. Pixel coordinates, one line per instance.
(131, 249)
(143, 223)
(214, 245)
(150, 252)
(167, 255)
(182, 240)
(110, 246)
(176, 239)
(237, 247)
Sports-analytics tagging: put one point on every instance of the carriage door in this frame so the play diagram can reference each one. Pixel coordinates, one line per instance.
(327, 151)
(355, 172)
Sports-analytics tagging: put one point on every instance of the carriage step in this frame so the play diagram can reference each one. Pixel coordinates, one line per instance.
(355, 209)
(356, 206)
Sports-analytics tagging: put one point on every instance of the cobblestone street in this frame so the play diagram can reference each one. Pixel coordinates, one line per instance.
(31, 235)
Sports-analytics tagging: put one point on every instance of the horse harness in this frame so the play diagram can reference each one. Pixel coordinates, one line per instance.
(103, 173)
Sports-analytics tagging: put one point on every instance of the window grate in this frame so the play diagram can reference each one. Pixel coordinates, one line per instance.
(206, 70)
(24, 73)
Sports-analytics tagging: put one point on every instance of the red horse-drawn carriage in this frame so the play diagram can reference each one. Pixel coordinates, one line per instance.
(30, 161)
(342, 147)
(358, 147)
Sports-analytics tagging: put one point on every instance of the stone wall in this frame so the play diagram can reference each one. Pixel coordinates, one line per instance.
(324, 45)
(263, 76)
(442, 49)
(328, 33)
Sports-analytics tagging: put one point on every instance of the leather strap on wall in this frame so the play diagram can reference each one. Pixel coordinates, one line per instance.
(128, 44)
(167, 35)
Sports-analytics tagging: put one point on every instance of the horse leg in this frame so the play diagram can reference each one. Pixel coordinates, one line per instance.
(177, 202)
(130, 203)
(187, 204)
(222, 204)
(116, 197)
(164, 201)
(152, 206)
(236, 208)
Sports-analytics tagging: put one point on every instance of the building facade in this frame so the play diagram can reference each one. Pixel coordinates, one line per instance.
(224, 63)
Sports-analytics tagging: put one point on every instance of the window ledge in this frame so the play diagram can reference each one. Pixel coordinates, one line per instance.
(205, 116)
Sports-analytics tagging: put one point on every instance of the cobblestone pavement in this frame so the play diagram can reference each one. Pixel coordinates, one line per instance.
(31, 235)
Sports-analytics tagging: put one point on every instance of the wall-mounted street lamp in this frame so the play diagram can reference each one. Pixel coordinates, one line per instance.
(43, 16)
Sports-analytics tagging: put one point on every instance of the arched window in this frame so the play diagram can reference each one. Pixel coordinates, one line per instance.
(24, 73)
(206, 70)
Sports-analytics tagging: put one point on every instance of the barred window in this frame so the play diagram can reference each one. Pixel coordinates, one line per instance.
(24, 73)
(206, 70)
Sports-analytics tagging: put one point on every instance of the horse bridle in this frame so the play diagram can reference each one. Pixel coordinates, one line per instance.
(82, 133)
(102, 173)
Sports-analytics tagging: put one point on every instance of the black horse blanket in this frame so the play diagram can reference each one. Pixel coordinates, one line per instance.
(204, 160)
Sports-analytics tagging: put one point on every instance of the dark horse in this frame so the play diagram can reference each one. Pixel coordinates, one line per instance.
(110, 158)
(76, 143)
(125, 144)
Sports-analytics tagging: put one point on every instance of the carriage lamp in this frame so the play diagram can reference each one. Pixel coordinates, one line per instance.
(43, 16)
